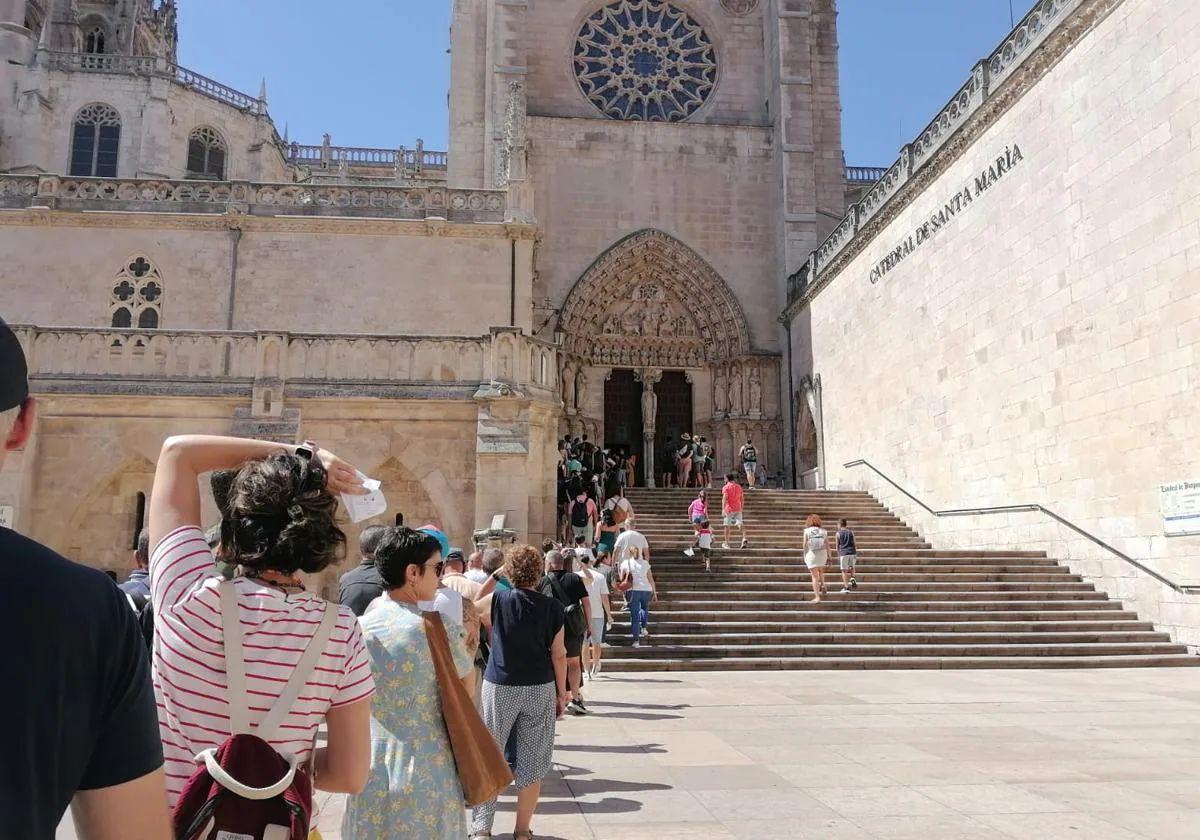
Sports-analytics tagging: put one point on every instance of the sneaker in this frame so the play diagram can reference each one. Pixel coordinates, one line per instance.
(605, 645)
(645, 633)
(574, 708)
(637, 644)
(725, 546)
(745, 542)
(853, 583)
(581, 705)
(596, 668)
(687, 552)
(845, 590)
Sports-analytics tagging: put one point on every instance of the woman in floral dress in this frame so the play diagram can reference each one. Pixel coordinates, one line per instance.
(413, 789)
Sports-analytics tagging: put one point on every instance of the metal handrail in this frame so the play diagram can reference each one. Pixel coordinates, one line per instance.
(1183, 589)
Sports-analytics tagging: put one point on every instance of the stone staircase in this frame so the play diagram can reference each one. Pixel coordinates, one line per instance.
(916, 606)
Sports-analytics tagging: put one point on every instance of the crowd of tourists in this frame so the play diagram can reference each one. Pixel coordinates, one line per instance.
(438, 678)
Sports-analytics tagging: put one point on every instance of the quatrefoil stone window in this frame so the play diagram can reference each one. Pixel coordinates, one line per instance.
(137, 296)
(644, 60)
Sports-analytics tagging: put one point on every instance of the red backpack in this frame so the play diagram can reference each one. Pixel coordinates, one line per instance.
(245, 789)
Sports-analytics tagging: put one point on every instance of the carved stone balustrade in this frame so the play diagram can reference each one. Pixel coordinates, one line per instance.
(71, 360)
(170, 196)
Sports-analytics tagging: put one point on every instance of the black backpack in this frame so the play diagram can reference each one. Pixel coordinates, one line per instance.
(579, 514)
(576, 621)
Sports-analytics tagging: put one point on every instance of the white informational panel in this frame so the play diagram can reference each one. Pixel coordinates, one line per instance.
(1180, 504)
(6, 516)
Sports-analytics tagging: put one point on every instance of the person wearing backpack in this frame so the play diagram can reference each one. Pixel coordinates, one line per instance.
(582, 515)
(816, 554)
(568, 589)
(749, 457)
(247, 669)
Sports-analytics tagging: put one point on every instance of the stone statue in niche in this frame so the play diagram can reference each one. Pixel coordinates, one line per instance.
(720, 392)
(735, 392)
(581, 389)
(568, 387)
(649, 407)
(755, 390)
(612, 325)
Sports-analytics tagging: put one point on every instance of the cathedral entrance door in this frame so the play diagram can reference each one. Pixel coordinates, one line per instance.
(674, 417)
(623, 412)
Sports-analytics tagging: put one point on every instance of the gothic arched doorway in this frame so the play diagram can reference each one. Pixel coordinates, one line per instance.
(649, 306)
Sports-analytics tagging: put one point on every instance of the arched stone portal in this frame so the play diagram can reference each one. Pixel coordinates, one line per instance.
(650, 304)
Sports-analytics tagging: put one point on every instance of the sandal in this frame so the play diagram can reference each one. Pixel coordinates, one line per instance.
(522, 835)
(481, 835)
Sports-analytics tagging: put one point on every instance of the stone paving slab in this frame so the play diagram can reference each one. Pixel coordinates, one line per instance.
(881, 755)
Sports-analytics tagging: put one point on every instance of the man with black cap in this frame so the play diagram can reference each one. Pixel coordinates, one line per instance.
(80, 724)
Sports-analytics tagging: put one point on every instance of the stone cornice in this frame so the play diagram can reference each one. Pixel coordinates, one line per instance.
(42, 217)
(855, 232)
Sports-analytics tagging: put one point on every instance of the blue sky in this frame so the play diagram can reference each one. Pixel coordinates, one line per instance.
(376, 72)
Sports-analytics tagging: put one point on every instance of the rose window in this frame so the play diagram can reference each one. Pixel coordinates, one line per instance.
(644, 60)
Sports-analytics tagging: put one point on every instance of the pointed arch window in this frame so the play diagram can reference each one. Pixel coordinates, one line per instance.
(95, 142)
(93, 41)
(137, 296)
(206, 154)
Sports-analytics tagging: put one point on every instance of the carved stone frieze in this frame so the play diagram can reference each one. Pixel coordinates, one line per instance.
(650, 301)
(739, 7)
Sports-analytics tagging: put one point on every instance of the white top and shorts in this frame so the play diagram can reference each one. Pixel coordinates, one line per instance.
(816, 547)
(597, 588)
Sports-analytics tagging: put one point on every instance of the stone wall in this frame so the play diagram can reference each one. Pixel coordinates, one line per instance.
(1039, 340)
(307, 275)
(710, 187)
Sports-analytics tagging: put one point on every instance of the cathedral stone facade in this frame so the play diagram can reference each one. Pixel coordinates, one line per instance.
(602, 250)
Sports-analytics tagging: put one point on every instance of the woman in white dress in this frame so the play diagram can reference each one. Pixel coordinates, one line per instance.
(816, 553)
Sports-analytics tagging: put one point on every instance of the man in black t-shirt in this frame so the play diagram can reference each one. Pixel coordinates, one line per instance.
(363, 584)
(80, 724)
(570, 590)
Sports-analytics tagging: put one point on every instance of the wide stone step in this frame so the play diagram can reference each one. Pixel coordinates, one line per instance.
(937, 661)
(621, 636)
(727, 564)
(882, 600)
(653, 649)
(689, 579)
(869, 623)
(694, 569)
(871, 589)
(915, 613)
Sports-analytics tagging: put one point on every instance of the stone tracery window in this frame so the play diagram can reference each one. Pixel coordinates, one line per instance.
(206, 154)
(644, 60)
(93, 41)
(137, 295)
(95, 141)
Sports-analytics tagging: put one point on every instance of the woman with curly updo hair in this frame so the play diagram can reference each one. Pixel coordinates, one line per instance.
(525, 685)
(277, 525)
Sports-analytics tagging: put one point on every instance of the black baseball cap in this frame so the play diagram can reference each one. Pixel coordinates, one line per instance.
(14, 375)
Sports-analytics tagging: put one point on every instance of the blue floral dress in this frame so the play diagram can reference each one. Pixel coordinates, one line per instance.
(413, 789)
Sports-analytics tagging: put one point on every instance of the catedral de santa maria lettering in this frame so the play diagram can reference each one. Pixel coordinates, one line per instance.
(957, 203)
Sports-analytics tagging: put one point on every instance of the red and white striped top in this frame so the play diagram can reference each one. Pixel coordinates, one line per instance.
(189, 657)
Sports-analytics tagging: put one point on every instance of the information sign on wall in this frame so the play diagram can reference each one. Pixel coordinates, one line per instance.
(6, 516)
(1180, 504)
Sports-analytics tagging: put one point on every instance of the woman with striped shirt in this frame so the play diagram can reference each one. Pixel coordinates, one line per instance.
(279, 524)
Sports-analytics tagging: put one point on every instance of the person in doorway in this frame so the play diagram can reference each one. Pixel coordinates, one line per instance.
(748, 455)
(847, 556)
(636, 568)
(570, 591)
(706, 450)
(668, 462)
(732, 502)
(80, 726)
(698, 460)
(362, 584)
(582, 514)
(816, 554)
(683, 460)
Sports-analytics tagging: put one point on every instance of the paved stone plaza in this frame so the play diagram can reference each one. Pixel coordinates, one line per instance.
(962, 755)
